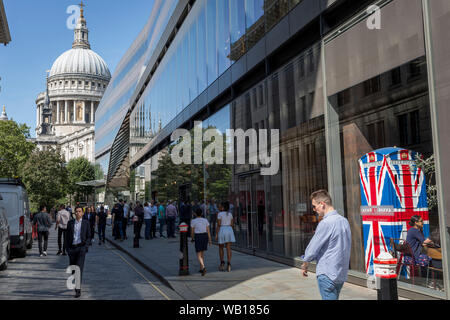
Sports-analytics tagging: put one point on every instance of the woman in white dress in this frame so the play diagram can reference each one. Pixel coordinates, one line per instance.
(225, 234)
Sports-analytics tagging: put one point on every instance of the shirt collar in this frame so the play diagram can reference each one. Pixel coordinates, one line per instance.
(329, 214)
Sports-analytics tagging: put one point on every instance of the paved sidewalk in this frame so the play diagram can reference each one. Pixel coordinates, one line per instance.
(251, 278)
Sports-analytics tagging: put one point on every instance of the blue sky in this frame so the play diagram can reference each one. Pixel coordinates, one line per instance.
(40, 35)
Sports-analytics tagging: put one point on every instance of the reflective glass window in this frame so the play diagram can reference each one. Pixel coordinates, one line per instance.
(255, 21)
(202, 50)
(211, 46)
(193, 56)
(237, 29)
(223, 35)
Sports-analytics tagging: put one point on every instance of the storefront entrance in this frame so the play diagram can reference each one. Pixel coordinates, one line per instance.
(251, 211)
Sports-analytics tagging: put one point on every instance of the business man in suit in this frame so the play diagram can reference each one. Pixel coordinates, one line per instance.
(78, 238)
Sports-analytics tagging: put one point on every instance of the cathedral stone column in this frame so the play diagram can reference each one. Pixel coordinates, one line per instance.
(92, 112)
(83, 119)
(57, 111)
(38, 113)
(66, 111)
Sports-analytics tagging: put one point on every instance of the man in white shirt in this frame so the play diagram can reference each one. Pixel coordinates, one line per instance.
(154, 212)
(147, 220)
(62, 219)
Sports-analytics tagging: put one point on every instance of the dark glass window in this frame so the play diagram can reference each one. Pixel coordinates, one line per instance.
(396, 76)
(343, 97)
(301, 68)
(409, 128)
(414, 69)
(376, 134)
(372, 86)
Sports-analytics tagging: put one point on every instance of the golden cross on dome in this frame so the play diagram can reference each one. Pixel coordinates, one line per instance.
(81, 8)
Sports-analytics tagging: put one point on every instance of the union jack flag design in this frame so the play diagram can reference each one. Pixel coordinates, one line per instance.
(390, 178)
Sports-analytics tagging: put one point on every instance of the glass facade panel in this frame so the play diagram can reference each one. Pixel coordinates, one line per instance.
(202, 50)
(384, 127)
(223, 35)
(211, 36)
(237, 29)
(255, 21)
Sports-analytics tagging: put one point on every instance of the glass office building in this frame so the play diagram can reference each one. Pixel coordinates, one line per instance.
(345, 94)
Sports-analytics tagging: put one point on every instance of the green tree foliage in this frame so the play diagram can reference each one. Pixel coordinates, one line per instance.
(80, 170)
(169, 177)
(14, 148)
(45, 177)
(429, 169)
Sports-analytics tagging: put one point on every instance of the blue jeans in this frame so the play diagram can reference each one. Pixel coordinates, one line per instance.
(118, 228)
(148, 225)
(329, 290)
(162, 222)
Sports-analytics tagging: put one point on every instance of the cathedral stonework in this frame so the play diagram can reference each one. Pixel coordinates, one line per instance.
(65, 112)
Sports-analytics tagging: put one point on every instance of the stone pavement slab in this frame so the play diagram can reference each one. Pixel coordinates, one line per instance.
(251, 278)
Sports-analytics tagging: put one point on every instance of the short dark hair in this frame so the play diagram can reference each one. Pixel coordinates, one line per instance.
(322, 196)
(226, 205)
(42, 206)
(414, 219)
(198, 212)
(78, 207)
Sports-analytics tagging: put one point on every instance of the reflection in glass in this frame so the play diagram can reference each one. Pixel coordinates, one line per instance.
(223, 36)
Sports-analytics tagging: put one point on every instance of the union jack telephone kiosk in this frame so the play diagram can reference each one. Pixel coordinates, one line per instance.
(393, 189)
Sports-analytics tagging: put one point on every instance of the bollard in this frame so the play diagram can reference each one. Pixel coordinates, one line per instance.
(184, 257)
(385, 270)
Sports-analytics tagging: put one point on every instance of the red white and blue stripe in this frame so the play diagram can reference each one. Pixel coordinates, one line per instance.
(389, 177)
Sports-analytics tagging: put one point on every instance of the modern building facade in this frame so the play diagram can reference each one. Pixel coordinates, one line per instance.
(65, 112)
(338, 79)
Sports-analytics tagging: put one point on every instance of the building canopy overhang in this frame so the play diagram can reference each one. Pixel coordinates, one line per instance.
(92, 183)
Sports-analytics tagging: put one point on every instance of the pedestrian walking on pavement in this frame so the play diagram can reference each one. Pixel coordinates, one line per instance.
(101, 225)
(138, 220)
(213, 211)
(42, 220)
(161, 218)
(62, 219)
(225, 234)
(91, 217)
(126, 213)
(147, 220)
(78, 239)
(171, 216)
(201, 235)
(330, 247)
(117, 216)
(154, 212)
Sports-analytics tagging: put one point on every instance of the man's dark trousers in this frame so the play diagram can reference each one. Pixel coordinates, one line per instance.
(153, 228)
(101, 231)
(77, 256)
(124, 227)
(62, 234)
(43, 234)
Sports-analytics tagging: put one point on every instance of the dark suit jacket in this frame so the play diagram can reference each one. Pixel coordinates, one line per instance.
(85, 233)
(91, 219)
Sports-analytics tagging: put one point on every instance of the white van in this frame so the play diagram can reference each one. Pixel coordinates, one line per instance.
(15, 201)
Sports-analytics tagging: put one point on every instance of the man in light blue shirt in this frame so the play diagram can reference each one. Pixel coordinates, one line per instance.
(330, 247)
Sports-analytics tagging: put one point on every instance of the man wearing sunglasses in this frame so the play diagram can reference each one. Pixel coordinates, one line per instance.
(330, 247)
